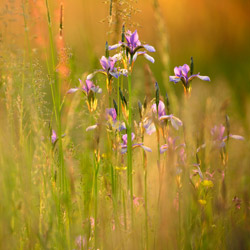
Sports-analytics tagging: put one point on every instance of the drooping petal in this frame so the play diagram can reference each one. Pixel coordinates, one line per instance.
(192, 77)
(149, 58)
(146, 148)
(174, 79)
(165, 117)
(149, 48)
(135, 56)
(163, 148)
(176, 122)
(91, 127)
(114, 74)
(136, 145)
(72, 90)
(237, 137)
(115, 46)
(204, 78)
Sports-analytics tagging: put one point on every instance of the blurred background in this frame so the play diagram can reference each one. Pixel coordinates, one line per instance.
(215, 33)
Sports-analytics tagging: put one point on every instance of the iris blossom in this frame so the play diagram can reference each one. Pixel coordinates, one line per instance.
(90, 86)
(176, 122)
(125, 144)
(108, 67)
(111, 117)
(89, 90)
(181, 74)
(133, 45)
(218, 137)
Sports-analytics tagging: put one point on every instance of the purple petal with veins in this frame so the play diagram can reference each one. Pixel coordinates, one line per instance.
(149, 58)
(163, 148)
(115, 46)
(91, 127)
(149, 48)
(73, 90)
(177, 71)
(237, 137)
(185, 69)
(204, 78)
(146, 148)
(174, 79)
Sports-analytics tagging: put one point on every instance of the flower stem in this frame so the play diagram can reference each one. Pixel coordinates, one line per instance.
(129, 145)
(145, 197)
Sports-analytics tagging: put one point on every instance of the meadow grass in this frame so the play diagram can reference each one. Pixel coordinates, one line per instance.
(134, 166)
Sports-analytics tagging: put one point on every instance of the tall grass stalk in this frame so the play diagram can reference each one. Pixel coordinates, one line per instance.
(56, 96)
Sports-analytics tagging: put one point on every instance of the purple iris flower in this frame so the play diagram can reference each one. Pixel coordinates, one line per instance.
(161, 109)
(132, 46)
(111, 112)
(108, 67)
(218, 137)
(176, 122)
(125, 142)
(111, 115)
(90, 86)
(181, 74)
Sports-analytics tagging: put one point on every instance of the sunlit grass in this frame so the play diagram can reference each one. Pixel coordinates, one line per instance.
(71, 179)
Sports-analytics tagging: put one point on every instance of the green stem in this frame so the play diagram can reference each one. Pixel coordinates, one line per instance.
(145, 195)
(129, 145)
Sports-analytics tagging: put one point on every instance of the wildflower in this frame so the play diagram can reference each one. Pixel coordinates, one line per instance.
(218, 137)
(176, 122)
(133, 45)
(181, 74)
(108, 67)
(90, 86)
(125, 142)
(112, 115)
